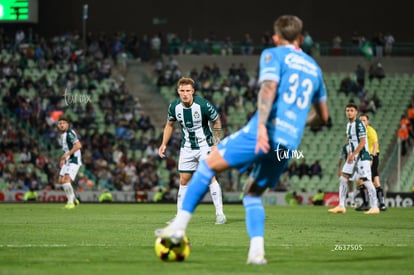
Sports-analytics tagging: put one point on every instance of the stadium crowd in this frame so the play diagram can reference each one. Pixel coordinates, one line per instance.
(40, 79)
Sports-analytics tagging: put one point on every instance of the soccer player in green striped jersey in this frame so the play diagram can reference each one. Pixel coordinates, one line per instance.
(70, 161)
(195, 116)
(358, 156)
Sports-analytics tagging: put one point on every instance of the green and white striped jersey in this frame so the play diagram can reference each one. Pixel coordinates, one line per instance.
(67, 140)
(355, 131)
(194, 122)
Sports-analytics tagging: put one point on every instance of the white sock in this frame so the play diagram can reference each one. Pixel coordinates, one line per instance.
(70, 195)
(256, 246)
(181, 220)
(343, 190)
(351, 197)
(215, 192)
(180, 196)
(372, 194)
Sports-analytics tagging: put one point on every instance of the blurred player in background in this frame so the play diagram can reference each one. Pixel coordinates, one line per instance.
(343, 156)
(194, 114)
(70, 161)
(357, 156)
(290, 83)
(373, 147)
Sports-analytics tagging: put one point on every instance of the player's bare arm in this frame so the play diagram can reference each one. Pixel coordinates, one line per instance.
(217, 131)
(361, 145)
(265, 100)
(168, 130)
(319, 115)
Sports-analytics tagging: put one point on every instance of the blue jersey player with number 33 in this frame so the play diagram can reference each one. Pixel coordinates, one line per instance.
(290, 83)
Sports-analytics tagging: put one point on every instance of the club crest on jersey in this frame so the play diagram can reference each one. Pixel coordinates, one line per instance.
(196, 114)
(267, 58)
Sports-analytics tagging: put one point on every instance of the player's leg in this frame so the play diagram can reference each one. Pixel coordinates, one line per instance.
(185, 178)
(197, 188)
(364, 173)
(215, 191)
(199, 184)
(265, 174)
(377, 184)
(363, 192)
(187, 164)
(347, 171)
(65, 181)
(217, 197)
(351, 190)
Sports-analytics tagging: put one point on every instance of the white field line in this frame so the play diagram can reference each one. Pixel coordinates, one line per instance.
(120, 245)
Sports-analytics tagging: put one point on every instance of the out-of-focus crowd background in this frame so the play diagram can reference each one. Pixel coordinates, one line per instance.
(116, 86)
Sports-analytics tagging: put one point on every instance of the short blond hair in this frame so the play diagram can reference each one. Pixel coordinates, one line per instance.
(185, 81)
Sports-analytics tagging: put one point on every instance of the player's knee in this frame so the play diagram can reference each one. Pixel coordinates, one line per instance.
(364, 179)
(252, 189)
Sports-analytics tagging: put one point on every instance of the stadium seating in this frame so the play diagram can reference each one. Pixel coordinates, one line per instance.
(325, 145)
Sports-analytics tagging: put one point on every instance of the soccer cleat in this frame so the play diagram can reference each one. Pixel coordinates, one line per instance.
(383, 207)
(221, 219)
(69, 205)
(337, 209)
(362, 207)
(258, 260)
(175, 236)
(170, 221)
(372, 211)
(76, 202)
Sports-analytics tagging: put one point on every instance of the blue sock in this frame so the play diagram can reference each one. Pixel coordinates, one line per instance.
(197, 187)
(255, 216)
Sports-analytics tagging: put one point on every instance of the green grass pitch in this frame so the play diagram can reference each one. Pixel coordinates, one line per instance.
(119, 239)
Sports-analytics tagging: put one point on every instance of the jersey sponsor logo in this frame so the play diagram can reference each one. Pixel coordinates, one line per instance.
(297, 62)
(293, 131)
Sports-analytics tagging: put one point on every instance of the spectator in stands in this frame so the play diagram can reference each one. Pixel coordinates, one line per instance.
(348, 86)
(360, 76)
(303, 169)
(25, 155)
(410, 115)
(376, 70)
(307, 43)
(367, 105)
(144, 123)
(403, 136)
(389, 41)
(378, 43)
(337, 45)
(227, 46)
(293, 169)
(405, 121)
(247, 45)
(315, 169)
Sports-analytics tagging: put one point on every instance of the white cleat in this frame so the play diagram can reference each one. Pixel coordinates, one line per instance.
(221, 219)
(170, 221)
(258, 260)
(175, 236)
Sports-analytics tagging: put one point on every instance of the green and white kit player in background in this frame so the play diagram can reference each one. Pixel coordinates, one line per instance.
(194, 114)
(358, 157)
(70, 161)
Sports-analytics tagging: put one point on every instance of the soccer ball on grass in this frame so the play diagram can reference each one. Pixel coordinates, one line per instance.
(169, 252)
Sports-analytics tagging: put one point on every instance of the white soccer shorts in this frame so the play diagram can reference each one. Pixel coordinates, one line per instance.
(71, 169)
(189, 159)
